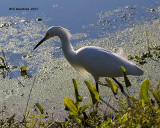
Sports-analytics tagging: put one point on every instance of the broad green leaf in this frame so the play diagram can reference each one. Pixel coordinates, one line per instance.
(77, 105)
(23, 68)
(40, 108)
(93, 92)
(83, 108)
(126, 79)
(71, 113)
(70, 105)
(112, 86)
(11, 118)
(156, 96)
(77, 120)
(143, 102)
(143, 93)
(77, 96)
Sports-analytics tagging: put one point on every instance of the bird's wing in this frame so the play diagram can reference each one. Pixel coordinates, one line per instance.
(98, 55)
(100, 61)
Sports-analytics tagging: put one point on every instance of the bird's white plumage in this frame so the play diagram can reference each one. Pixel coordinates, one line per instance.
(102, 63)
(95, 60)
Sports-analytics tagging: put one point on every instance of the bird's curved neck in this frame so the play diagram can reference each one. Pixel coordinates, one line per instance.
(67, 48)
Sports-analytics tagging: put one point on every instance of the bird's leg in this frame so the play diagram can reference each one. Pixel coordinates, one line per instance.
(119, 84)
(122, 90)
(97, 86)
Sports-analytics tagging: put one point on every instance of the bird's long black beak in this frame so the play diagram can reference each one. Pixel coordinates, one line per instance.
(44, 39)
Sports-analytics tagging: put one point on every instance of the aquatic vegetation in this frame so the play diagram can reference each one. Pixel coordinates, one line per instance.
(23, 71)
(5, 69)
(4, 65)
(152, 52)
(75, 110)
(148, 43)
(143, 112)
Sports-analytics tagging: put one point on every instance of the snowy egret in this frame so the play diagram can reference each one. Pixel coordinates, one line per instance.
(95, 60)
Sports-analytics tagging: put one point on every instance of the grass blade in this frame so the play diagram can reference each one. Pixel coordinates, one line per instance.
(11, 118)
(148, 42)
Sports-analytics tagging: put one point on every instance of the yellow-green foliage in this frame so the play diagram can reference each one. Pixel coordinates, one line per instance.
(144, 112)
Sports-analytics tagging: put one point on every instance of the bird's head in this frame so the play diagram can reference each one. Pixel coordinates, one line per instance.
(61, 32)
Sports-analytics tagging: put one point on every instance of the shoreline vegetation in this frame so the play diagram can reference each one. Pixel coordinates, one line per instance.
(142, 110)
(139, 42)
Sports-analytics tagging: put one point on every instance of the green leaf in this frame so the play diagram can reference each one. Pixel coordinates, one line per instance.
(93, 92)
(23, 71)
(143, 93)
(157, 47)
(133, 99)
(41, 115)
(77, 120)
(112, 86)
(83, 108)
(130, 57)
(70, 105)
(40, 108)
(123, 69)
(67, 123)
(77, 96)
(77, 105)
(156, 96)
(125, 117)
(23, 68)
(11, 118)
(126, 79)
(27, 111)
(31, 117)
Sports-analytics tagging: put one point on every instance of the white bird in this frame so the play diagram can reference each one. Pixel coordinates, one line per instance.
(95, 60)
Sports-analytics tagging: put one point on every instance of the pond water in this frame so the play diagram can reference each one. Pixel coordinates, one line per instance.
(76, 14)
(91, 19)
(103, 23)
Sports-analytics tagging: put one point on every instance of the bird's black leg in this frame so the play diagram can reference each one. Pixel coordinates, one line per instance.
(119, 84)
(97, 86)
